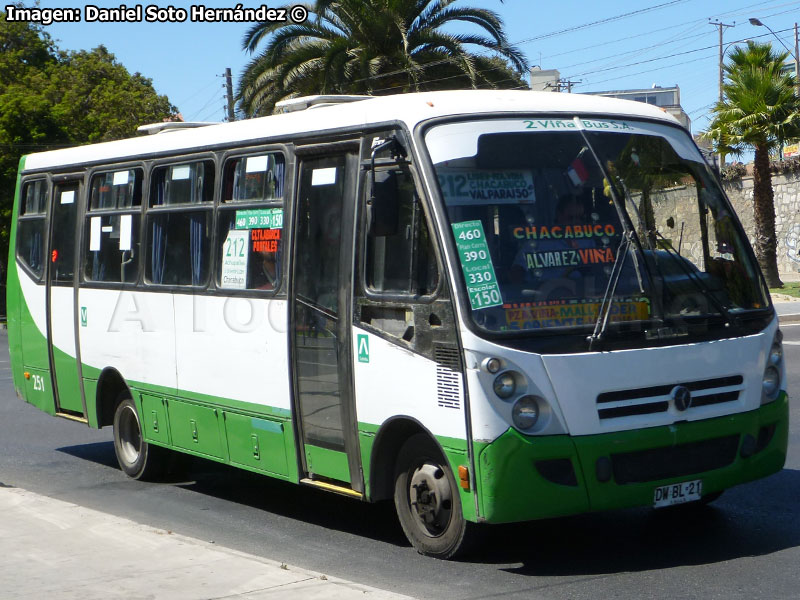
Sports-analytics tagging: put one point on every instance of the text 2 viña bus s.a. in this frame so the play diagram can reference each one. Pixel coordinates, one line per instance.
(489, 306)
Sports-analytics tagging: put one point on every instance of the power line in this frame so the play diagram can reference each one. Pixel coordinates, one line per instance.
(634, 51)
(659, 58)
(599, 22)
(669, 66)
(697, 23)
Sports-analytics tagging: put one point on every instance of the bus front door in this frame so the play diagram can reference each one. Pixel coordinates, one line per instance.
(61, 317)
(320, 293)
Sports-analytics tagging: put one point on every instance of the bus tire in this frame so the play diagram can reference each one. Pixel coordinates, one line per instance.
(427, 500)
(136, 458)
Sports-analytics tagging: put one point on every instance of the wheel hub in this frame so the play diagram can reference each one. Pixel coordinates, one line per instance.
(431, 498)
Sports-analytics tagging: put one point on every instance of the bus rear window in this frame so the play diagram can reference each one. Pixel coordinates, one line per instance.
(31, 226)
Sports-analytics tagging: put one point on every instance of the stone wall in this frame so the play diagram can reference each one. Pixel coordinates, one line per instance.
(681, 205)
(786, 187)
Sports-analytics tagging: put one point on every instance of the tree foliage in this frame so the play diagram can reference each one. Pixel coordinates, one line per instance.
(759, 110)
(51, 99)
(377, 47)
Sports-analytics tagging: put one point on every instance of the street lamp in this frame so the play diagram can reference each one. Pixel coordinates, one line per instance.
(794, 55)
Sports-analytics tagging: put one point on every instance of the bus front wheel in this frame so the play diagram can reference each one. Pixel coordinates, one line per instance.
(136, 458)
(427, 500)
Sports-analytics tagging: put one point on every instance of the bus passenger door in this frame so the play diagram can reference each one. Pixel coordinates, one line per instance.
(61, 319)
(321, 292)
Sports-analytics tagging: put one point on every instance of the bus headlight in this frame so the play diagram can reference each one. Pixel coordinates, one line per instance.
(492, 365)
(770, 384)
(525, 412)
(505, 385)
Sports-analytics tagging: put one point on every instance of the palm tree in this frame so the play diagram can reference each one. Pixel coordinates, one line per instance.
(376, 47)
(759, 110)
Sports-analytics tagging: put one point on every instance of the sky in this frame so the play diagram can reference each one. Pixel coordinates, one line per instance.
(600, 46)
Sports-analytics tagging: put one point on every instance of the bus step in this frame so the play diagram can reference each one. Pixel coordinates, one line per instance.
(72, 417)
(338, 489)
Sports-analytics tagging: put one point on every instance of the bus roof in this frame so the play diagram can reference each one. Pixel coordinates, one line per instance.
(408, 108)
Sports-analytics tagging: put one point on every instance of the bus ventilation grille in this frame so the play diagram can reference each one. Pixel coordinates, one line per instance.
(448, 377)
(656, 399)
(674, 461)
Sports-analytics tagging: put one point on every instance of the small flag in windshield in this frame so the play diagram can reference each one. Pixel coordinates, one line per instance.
(577, 171)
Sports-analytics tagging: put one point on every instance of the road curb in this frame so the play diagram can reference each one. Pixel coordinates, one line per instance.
(96, 552)
(792, 318)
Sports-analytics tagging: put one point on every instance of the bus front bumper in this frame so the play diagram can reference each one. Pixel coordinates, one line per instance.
(522, 478)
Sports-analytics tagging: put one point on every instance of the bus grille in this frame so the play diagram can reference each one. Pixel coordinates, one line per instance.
(674, 461)
(448, 377)
(655, 399)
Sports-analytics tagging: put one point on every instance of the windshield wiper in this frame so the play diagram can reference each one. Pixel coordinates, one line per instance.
(628, 237)
(604, 310)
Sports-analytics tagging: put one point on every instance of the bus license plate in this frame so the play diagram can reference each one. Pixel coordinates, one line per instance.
(678, 493)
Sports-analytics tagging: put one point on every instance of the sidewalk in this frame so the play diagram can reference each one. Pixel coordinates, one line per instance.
(787, 307)
(54, 549)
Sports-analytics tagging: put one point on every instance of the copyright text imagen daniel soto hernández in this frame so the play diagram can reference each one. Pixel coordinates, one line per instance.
(154, 13)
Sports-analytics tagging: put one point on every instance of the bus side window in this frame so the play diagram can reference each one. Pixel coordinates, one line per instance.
(399, 265)
(250, 223)
(111, 250)
(31, 226)
(179, 222)
(399, 258)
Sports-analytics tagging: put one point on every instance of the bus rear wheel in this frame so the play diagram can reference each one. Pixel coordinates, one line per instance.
(136, 458)
(427, 500)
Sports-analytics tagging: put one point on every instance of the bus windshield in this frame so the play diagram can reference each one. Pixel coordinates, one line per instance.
(558, 221)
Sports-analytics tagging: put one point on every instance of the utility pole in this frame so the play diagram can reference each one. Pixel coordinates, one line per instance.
(720, 25)
(564, 84)
(229, 88)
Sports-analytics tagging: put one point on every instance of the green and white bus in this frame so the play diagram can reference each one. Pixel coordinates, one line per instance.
(488, 306)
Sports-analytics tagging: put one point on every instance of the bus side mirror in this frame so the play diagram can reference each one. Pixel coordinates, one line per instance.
(383, 206)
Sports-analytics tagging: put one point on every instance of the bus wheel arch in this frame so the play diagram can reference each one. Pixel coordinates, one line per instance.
(390, 438)
(110, 387)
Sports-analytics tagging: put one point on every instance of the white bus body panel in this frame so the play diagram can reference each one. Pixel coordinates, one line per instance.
(579, 378)
(131, 331)
(233, 348)
(571, 383)
(62, 306)
(397, 382)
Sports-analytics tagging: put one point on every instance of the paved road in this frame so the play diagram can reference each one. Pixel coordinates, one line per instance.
(745, 546)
